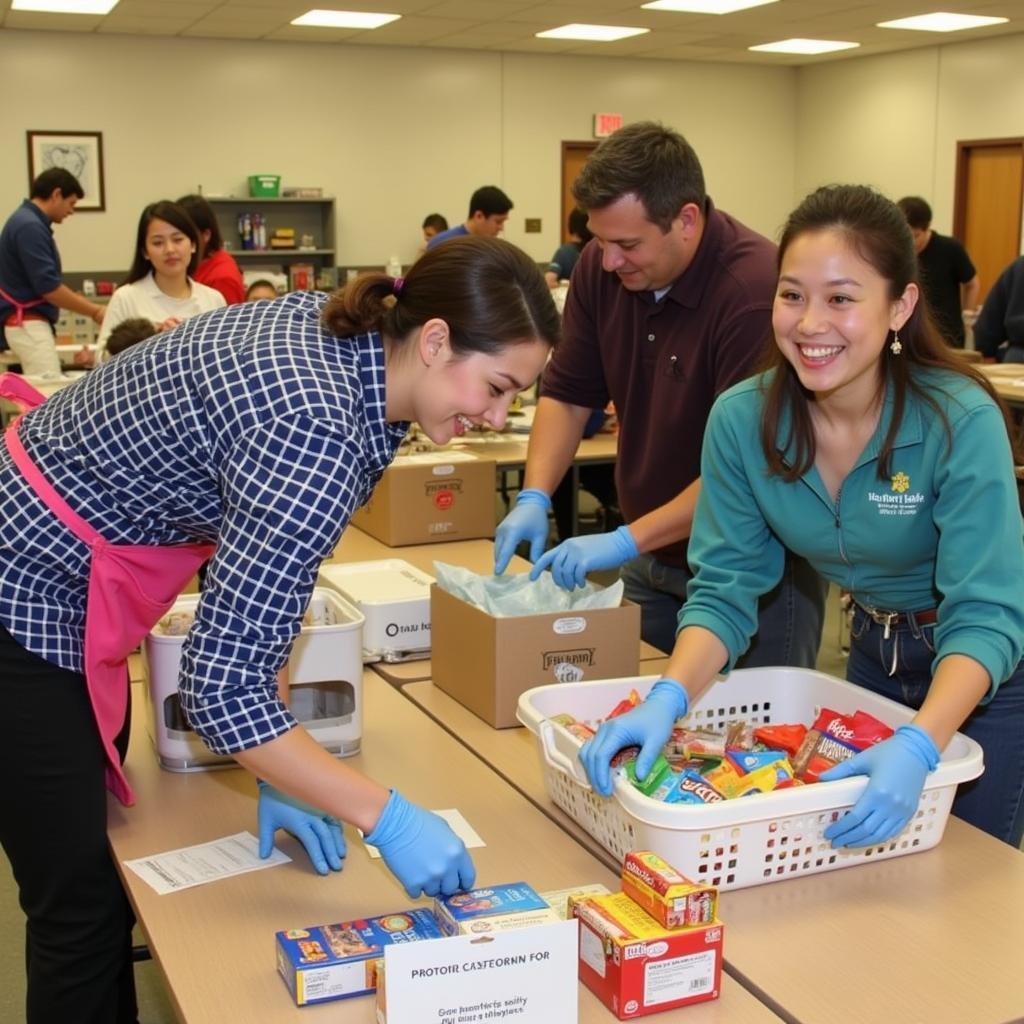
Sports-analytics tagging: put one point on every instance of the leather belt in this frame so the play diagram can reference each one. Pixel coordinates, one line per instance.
(925, 617)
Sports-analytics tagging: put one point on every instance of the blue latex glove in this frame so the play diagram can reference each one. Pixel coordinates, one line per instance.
(573, 559)
(421, 850)
(319, 833)
(647, 726)
(527, 521)
(897, 767)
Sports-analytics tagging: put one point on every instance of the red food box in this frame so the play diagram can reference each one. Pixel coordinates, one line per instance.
(636, 966)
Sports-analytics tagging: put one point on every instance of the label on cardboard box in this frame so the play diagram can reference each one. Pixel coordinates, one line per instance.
(527, 976)
(458, 912)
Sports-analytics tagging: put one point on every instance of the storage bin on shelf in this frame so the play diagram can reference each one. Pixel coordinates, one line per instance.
(325, 670)
(751, 840)
(264, 186)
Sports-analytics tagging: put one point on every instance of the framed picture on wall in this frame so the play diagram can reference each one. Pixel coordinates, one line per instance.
(81, 153)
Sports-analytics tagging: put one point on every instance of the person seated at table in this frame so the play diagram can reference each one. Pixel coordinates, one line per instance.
(874, 451)
(129, 332)
(562, 263)
(159, 285)
(248, 436)
(999, 329)
(433, 224)
(216, 268)
(261, 289)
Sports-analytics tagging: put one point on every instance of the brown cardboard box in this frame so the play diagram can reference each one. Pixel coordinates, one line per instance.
(486, 662)
(434, 496)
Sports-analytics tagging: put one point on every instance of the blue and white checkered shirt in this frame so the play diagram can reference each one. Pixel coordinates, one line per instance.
(252, 427)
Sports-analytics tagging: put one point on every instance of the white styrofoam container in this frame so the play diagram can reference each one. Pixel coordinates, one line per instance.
(751, 840)
(325, 670)
(394, 597)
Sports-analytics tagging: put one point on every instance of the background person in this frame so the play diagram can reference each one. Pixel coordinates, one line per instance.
(31, 289)
(877, 450)
(488, 210)
(433, 224)
(216, 268)
(667, 308)
(251, 434)
(159, 286)
(999, 329)
(561, 266)
(948, 276)
(129, 332)
(261, 289)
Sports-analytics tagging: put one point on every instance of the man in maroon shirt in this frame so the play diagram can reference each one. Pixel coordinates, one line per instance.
(669, 306)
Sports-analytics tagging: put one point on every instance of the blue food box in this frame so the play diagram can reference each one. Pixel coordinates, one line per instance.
(336, 961)
(511, 898)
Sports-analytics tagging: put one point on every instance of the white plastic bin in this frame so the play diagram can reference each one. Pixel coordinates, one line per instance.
(751, 840)
(325, 671)
(394, 597)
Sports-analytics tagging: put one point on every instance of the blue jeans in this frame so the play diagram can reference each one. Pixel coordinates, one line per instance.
(790, 617)
(995, 802)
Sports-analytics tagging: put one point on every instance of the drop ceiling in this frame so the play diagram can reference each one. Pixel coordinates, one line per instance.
(510, 25)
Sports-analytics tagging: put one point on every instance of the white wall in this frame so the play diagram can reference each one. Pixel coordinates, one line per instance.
(393, 133)
(893, 121)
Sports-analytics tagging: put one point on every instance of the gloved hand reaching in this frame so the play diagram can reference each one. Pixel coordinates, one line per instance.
(647, 726)
(421, 849)
(897, 768)
(527, 521)
(573, 559)
(319, 833)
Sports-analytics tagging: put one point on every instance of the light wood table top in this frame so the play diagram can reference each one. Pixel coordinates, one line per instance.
(933, 937)
(214, 943)
(1007, 379)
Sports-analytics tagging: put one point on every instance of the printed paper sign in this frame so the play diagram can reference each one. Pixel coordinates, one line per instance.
(205, 862)
(526, 977)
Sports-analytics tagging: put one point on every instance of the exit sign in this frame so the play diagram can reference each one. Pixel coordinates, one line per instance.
(605, 124)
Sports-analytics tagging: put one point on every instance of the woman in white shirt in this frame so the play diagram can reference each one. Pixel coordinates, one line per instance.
(159, 286)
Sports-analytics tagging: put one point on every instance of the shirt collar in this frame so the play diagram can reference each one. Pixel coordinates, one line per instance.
(383, 437)
(28, 204)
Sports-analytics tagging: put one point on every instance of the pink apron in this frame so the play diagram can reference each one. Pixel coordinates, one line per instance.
(17, 318)
(130, 587)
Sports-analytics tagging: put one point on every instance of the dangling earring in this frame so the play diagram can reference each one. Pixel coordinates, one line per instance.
(896, 346)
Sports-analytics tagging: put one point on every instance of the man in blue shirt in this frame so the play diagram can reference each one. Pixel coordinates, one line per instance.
(488, 211)
(31, 290)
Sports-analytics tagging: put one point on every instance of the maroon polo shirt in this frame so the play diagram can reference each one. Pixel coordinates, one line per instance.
(664, 363)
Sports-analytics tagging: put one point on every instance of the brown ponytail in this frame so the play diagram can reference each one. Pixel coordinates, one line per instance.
(490, 293)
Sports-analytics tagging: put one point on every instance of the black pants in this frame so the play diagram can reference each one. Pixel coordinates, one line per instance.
(600, 482)
(53, 828)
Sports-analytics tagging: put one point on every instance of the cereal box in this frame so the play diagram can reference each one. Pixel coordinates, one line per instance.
(461, 913)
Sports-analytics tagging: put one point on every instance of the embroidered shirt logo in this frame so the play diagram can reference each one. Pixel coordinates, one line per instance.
(899, 502)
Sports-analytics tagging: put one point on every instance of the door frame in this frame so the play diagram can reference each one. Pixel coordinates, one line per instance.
(963, 152)
(583, 145)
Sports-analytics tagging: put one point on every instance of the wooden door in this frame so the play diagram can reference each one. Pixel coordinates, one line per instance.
(987, 204)
(574, 156)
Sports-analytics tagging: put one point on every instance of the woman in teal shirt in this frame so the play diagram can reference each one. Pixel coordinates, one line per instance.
(888, 463)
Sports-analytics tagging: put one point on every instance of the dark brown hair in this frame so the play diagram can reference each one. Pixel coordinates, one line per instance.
(205, 219)
(877, 231)
(649, 161)
(129, 332)
(170, 213)
(489, 292)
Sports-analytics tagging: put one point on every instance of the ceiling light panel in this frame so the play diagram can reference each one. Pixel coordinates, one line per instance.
(592, 33)
(65, 6)
(942, 21)
(804, 46)
(344, 19)
(705, 6)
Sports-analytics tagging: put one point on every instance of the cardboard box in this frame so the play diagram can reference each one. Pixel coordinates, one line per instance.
(485, 662)
(336, 961)
(503, 907)
(431, 497)
(636, 966)
(667, 895)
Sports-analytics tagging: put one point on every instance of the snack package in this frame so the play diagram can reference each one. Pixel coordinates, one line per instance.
(749, 760)
(781, 737)
(665, 893)
(835, 738)
(693, 788)
(660, 770)
(624, 705)
(697, 743)
(580, 730)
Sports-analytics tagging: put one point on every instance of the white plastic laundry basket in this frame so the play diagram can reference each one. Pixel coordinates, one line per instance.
(751, 840)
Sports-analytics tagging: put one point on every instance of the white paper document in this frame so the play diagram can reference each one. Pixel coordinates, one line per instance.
(460, 827)
(205, 862)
